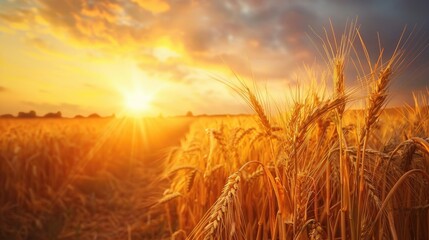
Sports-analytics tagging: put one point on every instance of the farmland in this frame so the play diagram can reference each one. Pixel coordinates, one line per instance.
(329, 162)
(157, 178)
(74, 178)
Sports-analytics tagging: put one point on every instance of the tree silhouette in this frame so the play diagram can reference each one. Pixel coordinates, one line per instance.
(6, 116)
(30, 114)
(189, 114)
(93, 115)
(53, 115)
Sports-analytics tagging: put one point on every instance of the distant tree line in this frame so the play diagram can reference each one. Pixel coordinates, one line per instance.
(33, 114)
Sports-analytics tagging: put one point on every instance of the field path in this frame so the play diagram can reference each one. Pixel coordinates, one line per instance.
(145, 145)
(142, 147)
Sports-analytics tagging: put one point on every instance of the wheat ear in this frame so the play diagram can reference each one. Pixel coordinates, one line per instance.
(222, 205)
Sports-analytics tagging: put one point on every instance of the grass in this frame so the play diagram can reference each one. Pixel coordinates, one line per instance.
(315, 169)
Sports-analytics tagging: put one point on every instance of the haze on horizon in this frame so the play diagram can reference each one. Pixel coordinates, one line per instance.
(84, 56)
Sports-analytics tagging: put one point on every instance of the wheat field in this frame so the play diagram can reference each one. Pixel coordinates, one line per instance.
(312, 169)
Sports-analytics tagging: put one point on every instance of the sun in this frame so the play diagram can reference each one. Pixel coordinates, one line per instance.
(136, 102)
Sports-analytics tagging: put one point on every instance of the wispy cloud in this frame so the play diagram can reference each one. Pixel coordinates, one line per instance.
(262, 31)
(177, 40)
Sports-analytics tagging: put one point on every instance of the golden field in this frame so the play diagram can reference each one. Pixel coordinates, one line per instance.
(81, 178)
(230, 177)
(312, 169)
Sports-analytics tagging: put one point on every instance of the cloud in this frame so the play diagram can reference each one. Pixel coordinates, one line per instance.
(3, 89)
(213, 27)
(154, 6)
(169, 70)
(268, 38)
(18, 20)
(40, 44)
(86, 21)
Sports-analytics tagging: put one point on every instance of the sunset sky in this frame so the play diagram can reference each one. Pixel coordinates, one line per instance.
(84, 56)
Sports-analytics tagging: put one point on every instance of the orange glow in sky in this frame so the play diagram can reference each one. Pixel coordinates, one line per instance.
(80, 56)
(136, 102)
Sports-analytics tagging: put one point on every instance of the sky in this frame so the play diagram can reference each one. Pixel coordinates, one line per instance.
(85, 56)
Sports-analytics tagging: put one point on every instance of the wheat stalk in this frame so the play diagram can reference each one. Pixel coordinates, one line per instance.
(376, 100)
(190, 180)
(339, 83)
(302, 195)
(316, 114)
(221, 207)
(168, 197)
